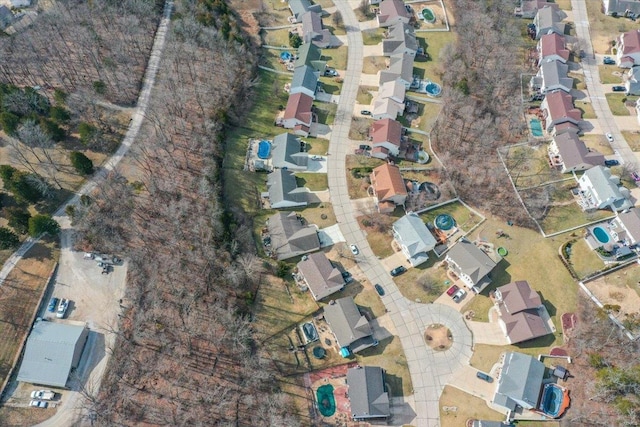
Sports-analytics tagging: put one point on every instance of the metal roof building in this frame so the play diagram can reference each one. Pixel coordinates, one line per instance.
(52, 351)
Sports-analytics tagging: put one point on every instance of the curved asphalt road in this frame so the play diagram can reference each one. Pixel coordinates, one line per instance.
(430, 370)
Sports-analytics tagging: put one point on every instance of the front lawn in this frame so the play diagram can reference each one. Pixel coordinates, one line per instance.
(587, 109)
(331, 85)
(632, 138)
(373, 64)
(389, 356)
(617, 103)
(425, 282)
(313, 181)
(337, 57)
(597, 142)
(610, 74)
(605, 28)
(467, 407)
(372, 36)
(326, 112)
(364, 96)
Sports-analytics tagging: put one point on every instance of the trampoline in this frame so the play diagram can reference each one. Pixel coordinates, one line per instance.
(326, 401)
(502, 251)
(319, 352)
(423, 157)
(285, 56)
(444, 222)
(264, 149)
(555, 400)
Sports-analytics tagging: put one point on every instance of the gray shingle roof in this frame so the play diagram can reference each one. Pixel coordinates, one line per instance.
(321, 276)
(574, 152)
(520, 380)
(413, 234)
(350, 327)
(289, 237)
(367, 395)
(401, 37)
(287, 152)
(554, 73)
(400, 65)
(310, 54)
(299, 7)
(471, 260)
(51, 351)
(283, 187)
(631, 221)
(306, 77)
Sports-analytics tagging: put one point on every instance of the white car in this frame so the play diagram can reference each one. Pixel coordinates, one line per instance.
(43, 394)
(38, 404)
(459, 295)
(62, 308)
(609, 137)
(354, 249)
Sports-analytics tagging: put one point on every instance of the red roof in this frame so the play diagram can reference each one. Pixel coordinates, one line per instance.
(630, 42)
(388, 182)
(299, 107)
(386, 130)
(553, 44)
(560, 105)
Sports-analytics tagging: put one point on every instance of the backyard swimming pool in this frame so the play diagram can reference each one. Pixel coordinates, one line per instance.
(264, 149)
(601, 234)
(555, 400)
(536, 127)
(326, 401)
(444, 222)
(428, 15)
(285, 56)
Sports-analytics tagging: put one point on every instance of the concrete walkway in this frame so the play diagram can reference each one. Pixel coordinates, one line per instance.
(430, 370)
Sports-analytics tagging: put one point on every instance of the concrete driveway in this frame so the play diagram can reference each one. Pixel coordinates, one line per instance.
(466, 380)
(488, 332)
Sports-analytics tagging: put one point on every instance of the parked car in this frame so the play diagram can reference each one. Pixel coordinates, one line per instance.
(607, 60)
(316, 158)
(354, 249)
(635, 176)
(398, 271)
(609, 137)
(611, 162)
(365, 147)
(346, 274)
(43, 394)
(365, 112)
(52, 305)
(379, 289)
(452, 290)
(331, 72)
(618, 88)
(38, 404)
(62, 308)
(485, 377)
(88, 255)
(459, 295)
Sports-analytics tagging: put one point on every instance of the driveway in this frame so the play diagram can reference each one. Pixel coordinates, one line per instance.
(488, 332)
(466, 380)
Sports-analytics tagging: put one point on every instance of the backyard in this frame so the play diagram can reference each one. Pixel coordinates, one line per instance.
(582, 259)
(529, 165)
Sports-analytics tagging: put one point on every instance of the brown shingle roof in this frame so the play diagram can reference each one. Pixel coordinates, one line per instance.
(519, 310)
(386, 130)
(631, 41)
(553, 44)
(560, 105)
(299, 107)
(518, 296)
(387, 182)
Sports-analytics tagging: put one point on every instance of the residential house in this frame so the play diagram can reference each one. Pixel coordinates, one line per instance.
(529, 8)
(558, 108)
(565, 127)
(400, 68)
(552, 47)
(520, 382)
(570, 154)
(290, 237)
(388, 187)
(625, 227)
(300, 7)
(485, 423)
(283, 190)
(305, 80)
(552, 76)
(313, 31)
(20, 3)
(628, 49)
(522, 315)
(549, 20)
(638, 110)
(632, 82)
(287, 152)
(321, 277)
(309, 54)
(392, 12)
(470, 264)
(620, 7)
(386, 137)
(6, 17)
(367, 393)
(298, 115)
(601, 190)
(389, 103)
(350, 328)
(400, 40)
(414, 238)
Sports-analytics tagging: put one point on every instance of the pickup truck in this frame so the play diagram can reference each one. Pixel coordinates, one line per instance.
(43, 394)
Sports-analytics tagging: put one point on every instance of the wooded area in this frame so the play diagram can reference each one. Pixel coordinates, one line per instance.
(184, 353)
(482, 105)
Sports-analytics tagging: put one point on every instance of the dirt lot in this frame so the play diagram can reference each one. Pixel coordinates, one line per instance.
(619, 288)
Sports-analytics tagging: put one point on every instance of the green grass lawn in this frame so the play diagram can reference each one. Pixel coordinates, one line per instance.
(336, 58)
(276, 37)
(317, 145)
(331, 85)
(313, 181)
(529, 166)
(583, 260)
(372, 36)
(632, 138)
(598, 143)
(425, 282)
(617, 103)
(605, 28)
(564, 4)
(468, 407)
(465, 219)
(320, 214)
(434, 43)
(326, 112)
(607, 76)
(364, 96)
(380, 243)
(578, 81)
(586, 108)
(389, 356)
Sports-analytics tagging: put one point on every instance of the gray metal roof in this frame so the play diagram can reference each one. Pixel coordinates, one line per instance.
(412, 233)
(50, 352)
(521, 379)
(286, 152)
(350, 327)
(306, 77)
(367, 395)
(289, 237)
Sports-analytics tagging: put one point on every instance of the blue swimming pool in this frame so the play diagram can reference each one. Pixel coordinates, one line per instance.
(285, 56)
(444, 222)
(601, 234)
(264, 149)
(433, 89)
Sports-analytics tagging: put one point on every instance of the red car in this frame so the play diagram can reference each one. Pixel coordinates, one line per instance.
(452, 290)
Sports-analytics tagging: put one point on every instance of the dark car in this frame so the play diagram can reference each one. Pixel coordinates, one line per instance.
(379, 289)
(365, 112)
(611, 163)
(484, 377)
(618, 88)
(346, 274)
(397, 271)
(365, 147)
(52, 305)
(607, 60)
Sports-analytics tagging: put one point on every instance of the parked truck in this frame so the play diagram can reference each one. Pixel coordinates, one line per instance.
(43, 394)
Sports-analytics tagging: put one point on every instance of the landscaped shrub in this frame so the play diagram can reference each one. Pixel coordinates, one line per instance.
(8, 239)
(87, 132)
(82, 164)
(18, 219)
(59, 114)
(295, 40)
(43, 224)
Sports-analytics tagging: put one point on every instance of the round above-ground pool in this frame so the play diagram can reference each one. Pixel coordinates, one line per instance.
(601, 234)
(433, 89)
(444, 222)
(285, 56)
(423, 157)
(326, 401)
(430, 190)
(428, 15)
(264, 149)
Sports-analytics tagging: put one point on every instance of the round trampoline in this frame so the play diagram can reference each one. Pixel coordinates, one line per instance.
(444, 222)
(285, 56)
(326, 401)
(319, 352)
(264, 149)
(502, 251)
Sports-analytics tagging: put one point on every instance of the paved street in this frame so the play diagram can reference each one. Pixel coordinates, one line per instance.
(430, 370)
